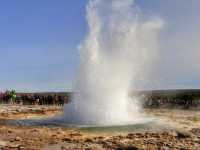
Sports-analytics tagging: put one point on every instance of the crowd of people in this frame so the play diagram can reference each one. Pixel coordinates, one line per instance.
(11, 97)
(185, 101)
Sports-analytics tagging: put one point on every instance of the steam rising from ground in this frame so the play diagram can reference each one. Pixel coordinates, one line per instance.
(118, 51)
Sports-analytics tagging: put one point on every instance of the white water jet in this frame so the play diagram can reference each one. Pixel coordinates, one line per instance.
(118, 50)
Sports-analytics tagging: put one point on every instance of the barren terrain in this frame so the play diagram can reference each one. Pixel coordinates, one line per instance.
(183, 132)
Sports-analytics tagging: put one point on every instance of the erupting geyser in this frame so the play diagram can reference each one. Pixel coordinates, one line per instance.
(118, 50)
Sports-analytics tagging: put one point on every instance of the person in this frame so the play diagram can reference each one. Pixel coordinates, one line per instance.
(13, 96)
(37, 101)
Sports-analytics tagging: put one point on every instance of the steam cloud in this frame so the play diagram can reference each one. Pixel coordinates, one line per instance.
(119, 50)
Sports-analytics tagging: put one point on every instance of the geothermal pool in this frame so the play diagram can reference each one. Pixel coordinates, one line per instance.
(29, 116)
(149, 124)
(32, 133)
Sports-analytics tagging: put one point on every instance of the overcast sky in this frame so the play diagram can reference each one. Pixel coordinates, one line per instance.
(39, 40)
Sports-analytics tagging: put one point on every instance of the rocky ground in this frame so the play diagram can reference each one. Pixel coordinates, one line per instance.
(184, 132)
(28, 111)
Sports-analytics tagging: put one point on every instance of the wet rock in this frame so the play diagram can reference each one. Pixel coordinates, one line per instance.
(183, 134)
(18, 138)
(34, 130)
(3, 144)
(61, 132)
(100, 137)
(196, 131)
(75, 134)
(129, 147)
(165, 148)
(21, 147)
(173, 133)
(88, 140)
(10, 131)
(66, 139)
(196, 140)
(54, 135)
(181, 146)
(88, 148)
(13, 146)
(130, 136)
(53, 142)
(63, 147)
(103, 142)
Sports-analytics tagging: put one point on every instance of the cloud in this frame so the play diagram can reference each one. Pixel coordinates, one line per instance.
(179, 57)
